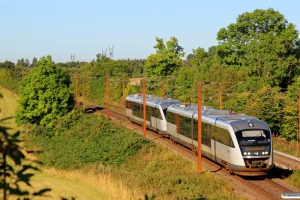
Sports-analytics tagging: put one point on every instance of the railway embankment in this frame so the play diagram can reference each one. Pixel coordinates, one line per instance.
(286, 161)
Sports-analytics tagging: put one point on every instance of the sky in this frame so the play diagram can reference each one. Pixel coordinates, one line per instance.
(127, 29)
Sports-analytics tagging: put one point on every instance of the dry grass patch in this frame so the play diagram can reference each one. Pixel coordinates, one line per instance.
(102, 182)
(8, 106)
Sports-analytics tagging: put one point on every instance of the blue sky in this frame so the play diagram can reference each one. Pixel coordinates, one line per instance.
(36, 28)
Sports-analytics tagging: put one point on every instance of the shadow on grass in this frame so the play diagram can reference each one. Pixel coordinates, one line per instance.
(154, 196)
(93, 109)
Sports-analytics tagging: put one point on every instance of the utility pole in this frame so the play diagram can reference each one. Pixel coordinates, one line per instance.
(76, 89)
(107, 97)
(163, 89)
(298, 134)
(144, 106)
(104, 53)
(82, 91)
(72, 57)
(110, 51)
(220, 89)
(123, 92)
(199, 127)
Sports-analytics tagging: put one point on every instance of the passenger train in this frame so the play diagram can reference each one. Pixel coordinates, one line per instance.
(240, 143)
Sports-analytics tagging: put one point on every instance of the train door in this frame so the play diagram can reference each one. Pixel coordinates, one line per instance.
(159, 119)
(152, 119)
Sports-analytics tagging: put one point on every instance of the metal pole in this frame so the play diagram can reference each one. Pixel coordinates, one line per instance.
(298, 139)
(82, 91)
(144, 106)
(163, 90)
(220, 95)
(199, 127)
(107, 97)
(76, 89)
(123, 91)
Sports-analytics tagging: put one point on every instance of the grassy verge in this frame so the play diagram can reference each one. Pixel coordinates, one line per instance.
(8, 105)
(290, 148)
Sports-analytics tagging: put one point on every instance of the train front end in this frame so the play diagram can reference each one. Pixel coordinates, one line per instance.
(255, 142)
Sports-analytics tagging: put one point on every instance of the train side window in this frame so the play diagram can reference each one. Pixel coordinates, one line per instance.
(136, 109)
(185, 126)
(170, 117)
(206, 134)
(195, 130)
(221, 135)
(148, 113)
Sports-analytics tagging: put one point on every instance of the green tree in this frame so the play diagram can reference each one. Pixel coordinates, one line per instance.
(167, 59)
(7, 64)
(290, 127)
(44, 94)
(185, 84)
(34, 62)
(264, 43)
(23, 63)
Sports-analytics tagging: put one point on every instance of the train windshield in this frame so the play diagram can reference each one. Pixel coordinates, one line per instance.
(247, 137)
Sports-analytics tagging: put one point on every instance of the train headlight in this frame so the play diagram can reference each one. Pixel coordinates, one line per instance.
(266, 152)
(245, 153)
(248, 153)
(263, 153)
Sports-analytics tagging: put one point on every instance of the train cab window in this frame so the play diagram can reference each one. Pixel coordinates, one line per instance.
(253, 136)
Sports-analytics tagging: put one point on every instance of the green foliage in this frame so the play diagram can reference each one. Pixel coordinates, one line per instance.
(9, 78)
(95, 80)
(290, 110)
(13, 170)
(7, 64)
(186, 85)
(294, 179)
(130, 90)
(264, 43)
(23, 63)
(288, 147)
(136, 67)
(79, 138)
(44, 94)
(167, 59)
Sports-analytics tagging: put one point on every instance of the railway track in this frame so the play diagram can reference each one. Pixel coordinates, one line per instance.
(264, 188)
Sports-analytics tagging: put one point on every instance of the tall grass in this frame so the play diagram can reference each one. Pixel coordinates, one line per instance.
(291, 148)
(8, 105)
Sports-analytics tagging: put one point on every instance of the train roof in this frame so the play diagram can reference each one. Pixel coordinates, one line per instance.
(152, 100)
(209, 113)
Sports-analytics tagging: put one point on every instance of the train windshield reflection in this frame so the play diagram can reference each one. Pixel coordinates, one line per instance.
(253, 137)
